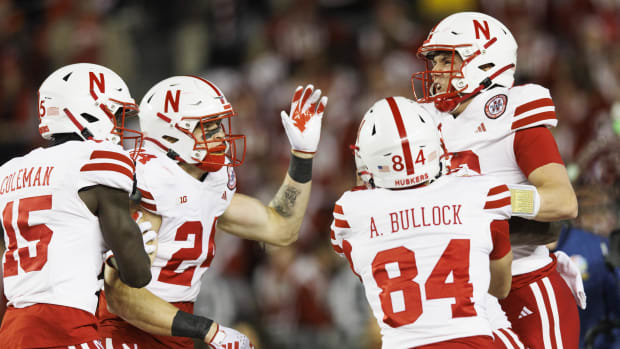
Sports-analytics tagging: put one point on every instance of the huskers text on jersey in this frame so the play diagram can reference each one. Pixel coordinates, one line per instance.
(25, 178)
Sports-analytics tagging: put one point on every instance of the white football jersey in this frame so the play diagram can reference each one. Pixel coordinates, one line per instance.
(54, 243)
(481, 141)
(423, 255)
(189, 209)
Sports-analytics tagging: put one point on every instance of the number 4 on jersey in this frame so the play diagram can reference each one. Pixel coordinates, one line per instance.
(395, 269)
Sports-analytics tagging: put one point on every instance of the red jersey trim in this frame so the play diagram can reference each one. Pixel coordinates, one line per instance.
(347, 249)
(497, 190)
(539, 103)
(489, 205)
(535, 147)
(146, 194)
(108, 167)
(110, 155)
(338, 209)
(150, 207)
(337, 248)
(341, 223)
(501, 239)
(547, 115)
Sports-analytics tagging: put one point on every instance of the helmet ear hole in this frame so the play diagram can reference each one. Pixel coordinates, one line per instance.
(170, 139)
(88, 117)
(486, 67)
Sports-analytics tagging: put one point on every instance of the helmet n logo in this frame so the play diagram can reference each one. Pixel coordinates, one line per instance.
(174, 102)
(485, 30)
(94, 81)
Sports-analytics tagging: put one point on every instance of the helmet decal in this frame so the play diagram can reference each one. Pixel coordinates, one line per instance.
(173, 102)
(92, 81)
(398, 119)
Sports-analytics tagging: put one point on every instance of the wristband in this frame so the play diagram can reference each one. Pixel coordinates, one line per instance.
(524, 200)
(189, 325)
(300, 169)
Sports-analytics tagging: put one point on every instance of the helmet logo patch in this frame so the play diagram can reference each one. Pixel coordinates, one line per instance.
(232, 178)
(174, 102)
(94, 81)
(485, 30)
(496, 106)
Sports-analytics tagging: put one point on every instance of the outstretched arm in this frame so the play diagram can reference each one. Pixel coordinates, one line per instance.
(279, 222)
(276, 224)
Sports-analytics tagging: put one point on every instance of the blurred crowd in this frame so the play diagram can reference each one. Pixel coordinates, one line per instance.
(356, 51)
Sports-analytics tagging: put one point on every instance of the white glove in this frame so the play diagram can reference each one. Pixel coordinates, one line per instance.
(303, 124)
(572, 275)
(149, 239)
(148, 235)
(227, 338)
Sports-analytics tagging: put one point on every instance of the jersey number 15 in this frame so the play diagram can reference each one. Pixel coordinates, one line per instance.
(28, 232)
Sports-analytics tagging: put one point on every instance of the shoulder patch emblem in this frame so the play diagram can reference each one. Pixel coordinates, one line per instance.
(496, 106)
(232, 178)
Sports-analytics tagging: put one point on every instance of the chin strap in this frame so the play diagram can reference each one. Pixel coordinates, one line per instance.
(449, 104)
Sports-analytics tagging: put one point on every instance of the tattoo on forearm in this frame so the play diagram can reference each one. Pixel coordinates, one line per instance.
(284, 202)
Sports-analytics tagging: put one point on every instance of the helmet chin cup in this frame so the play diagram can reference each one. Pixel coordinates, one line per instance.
(446, 105)
(212, 163)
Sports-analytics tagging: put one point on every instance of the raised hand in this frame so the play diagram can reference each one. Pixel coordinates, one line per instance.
(303, 123)
(228, 338)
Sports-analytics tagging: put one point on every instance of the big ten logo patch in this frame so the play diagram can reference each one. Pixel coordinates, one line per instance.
(496, 106)
(232, 178)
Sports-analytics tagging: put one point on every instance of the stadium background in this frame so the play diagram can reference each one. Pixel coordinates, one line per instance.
(356, 51)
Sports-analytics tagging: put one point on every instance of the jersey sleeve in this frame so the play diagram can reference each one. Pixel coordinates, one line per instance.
(340, 232)
(149, 186)
(107, 164)
(533, 107)
(535, 147)
(340, 228)
(498, 202)
(501, 239)
(498, 205)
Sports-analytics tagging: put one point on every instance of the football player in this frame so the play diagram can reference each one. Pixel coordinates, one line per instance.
(63, 206)
(427, 247)
(491, 127)
(186, 176)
